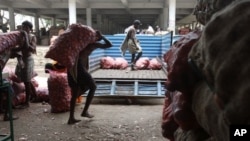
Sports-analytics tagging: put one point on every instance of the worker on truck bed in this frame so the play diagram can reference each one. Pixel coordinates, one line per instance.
(132, 44)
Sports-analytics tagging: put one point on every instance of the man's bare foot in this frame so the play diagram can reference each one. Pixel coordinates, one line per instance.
(87, 115)
(73, 120)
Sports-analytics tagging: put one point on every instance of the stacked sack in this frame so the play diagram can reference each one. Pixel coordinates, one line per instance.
(18, 87)
(70, 43)
(177, 110)
(42, 93)
(143, 63)
(59, 92)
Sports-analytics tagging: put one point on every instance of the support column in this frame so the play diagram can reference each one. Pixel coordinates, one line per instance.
(165, 21)
(89, 17)
(172, 13)
(72, 11)
(11, 19)
(66, 23)
(37, 25)
(105, 25)
(53, 21)
(99, 22)
(110, 27)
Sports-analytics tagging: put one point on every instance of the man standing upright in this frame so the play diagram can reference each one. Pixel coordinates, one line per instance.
(25, 72)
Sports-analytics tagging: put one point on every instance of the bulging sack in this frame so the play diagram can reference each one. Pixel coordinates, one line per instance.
(69, 44)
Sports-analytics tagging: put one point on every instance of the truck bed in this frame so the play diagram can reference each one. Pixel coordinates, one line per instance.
(127, 83)
(129, 75)
(142, 83)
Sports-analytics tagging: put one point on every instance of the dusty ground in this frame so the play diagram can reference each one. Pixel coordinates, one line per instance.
(112, 122)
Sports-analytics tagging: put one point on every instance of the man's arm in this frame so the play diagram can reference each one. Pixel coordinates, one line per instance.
(106, 44)
(32, 44)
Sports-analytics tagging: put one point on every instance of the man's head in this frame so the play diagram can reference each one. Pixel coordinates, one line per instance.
(26, 25)
(137, 23)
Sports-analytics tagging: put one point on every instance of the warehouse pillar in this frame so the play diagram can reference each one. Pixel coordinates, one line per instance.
(72, 11)
(172, 13)
(99, 21)
(53, 21)
(105, 25)
(11, 19)
(89, 17)
(164, 21)
(37, 25)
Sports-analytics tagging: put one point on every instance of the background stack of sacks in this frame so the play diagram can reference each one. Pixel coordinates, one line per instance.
(120, 63)
(19, 88)
(42, 93)
(113, 63)
(59, 92)
(54, 90)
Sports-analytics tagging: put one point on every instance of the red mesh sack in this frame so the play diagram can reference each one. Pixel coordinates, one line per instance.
(10, 40)
(180, 74)
(107, 62)
(69, 44)
(168, 125)
(120, 63)
(204, 9)
(59, 92)
(42, 95)
(154, 64)
(142, 63)
(182, 111)
(19, 99)
(18, 87)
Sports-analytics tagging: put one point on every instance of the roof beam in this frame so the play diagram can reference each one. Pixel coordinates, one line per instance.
(82, 3)
(95, 5)
(119, 12)
(42, 4)
(25, 12)
(188, 19)
(52, 11)
(5, 4)
(125, 3)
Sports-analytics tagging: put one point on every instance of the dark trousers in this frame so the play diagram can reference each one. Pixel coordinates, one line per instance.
(135, 58)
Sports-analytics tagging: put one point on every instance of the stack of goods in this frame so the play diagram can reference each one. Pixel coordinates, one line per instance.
(9, 41)
(207, 81)
(177, 110)
(70, 43)
(59, 92)
(120, 63)
(107, 62)
(154, 64)
(19, 95)
(42, 93)
(143, 63)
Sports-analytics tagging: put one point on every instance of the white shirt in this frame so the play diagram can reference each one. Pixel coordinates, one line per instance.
(128, 28)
